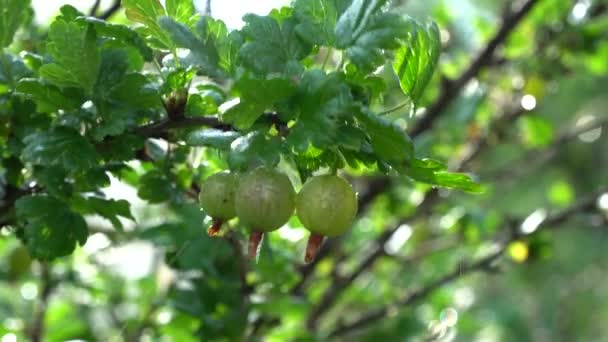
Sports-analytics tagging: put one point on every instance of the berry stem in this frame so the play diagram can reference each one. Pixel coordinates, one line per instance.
(254, 243)
(312, 248)
(215, 227)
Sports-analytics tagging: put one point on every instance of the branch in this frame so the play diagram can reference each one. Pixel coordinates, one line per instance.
(451, 89)
(110, 11)
(552, 222)
(94, 9)
(36, 332)
(208, 8)
(532, 156)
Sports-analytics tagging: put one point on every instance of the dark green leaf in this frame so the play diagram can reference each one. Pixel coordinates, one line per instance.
(13, 13)
(252, 150)
(52, 229)
(322, 99)
(121, 33)
(155, 187)
(363, 31)
(136, 91)
(201, 105)
(211, 137)
(59, 146)
(317, 19)
(271, 47)
(107, 208)
(202, 52)
(390, 142)
(12, 69)
(416, 59)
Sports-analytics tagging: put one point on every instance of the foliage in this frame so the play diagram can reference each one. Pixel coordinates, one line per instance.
(156, 100)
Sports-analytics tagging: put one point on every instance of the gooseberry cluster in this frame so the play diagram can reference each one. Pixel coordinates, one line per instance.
(264, 200)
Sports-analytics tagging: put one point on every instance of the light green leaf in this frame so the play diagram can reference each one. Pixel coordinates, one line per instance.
(416, 59)
(535, 131)
(48, 98)
(52, 229)
(76, 57)
(433, 172)
(13, 13)
(147, 12)
(257, 95)
(182, 10)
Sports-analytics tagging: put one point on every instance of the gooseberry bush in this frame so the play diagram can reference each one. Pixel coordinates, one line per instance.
(179, 107)
(299, 89)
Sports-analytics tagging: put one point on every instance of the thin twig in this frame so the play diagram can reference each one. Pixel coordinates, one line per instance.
(94, 8)
(208, 8)
(451, 89)
(110, 11)
(36, 332)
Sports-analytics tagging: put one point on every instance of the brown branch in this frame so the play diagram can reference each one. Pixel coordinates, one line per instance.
(451, 89)
(110, 11)
(94, 8)
(36, 332)
(552, 222)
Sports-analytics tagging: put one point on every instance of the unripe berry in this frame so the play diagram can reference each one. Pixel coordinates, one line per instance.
(216, 198)
(265, 200)
(326, 206)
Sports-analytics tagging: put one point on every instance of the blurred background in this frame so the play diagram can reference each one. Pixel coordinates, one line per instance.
(531, 125)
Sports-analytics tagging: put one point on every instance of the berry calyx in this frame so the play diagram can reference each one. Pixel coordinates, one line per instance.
(326, 206)
(265, 200)
(216, 198)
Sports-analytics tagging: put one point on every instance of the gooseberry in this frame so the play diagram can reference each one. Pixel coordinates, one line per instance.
(265, 200)
(19, 262)
(216, 198)
(326, 206)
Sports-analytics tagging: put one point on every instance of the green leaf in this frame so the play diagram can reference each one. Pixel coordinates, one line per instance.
(271, 47)
(107, 208)
(12, 69)
(417, 57)
(227, 43)
(13, 13)
(52, 229)
(257, 95)
(155, 187)
(55, 181)
(120, 33)
(252, 150)
(198, 105)
(137, 92)
(322, 100)
(76, 57)
(147, 12)
(182, 10)
(433, 172)
(363, 31)
(202, 51)
(59, 146)
(48, 98)
(317, 20)
(113, 67)
(389, 141)
(211, 137)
